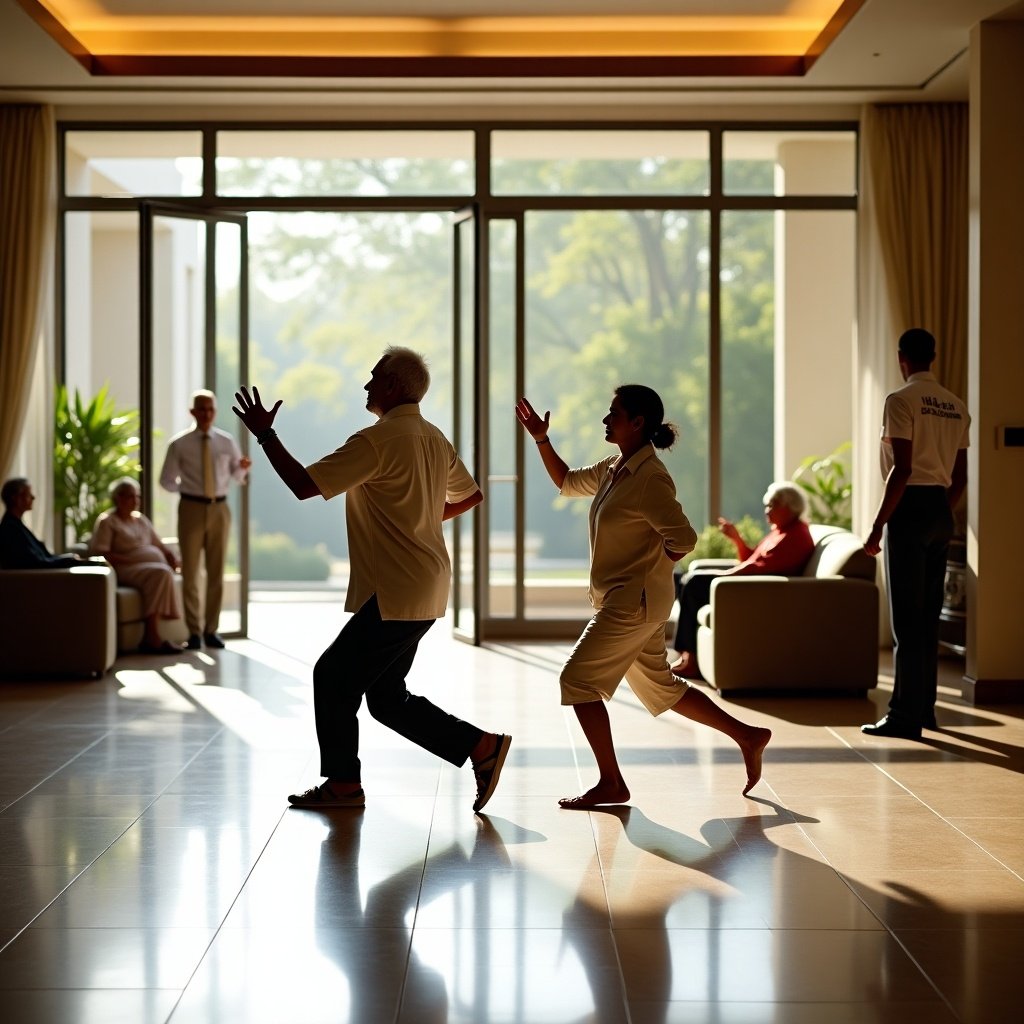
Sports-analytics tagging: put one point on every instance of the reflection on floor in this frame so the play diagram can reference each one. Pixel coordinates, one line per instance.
(151, 872)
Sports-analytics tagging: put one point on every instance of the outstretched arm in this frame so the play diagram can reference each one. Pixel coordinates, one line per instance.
(456, 508)
(537, 428)
(260, 423)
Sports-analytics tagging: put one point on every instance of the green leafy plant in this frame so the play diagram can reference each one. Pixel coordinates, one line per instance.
(829, 489)
(712, 543)
(94, 444)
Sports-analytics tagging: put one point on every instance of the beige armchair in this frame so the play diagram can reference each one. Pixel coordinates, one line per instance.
(818, 631)
(58, 621)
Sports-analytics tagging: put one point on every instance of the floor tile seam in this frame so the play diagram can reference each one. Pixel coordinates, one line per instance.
(414, 925)
(227, 913)
(932, 810)
(56, 771)
(623, 988)
(839, 873)
(134, 821)
(892, 778)
(109, 846)
(924, 974)
(889, 928)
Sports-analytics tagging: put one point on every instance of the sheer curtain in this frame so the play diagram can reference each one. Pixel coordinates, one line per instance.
(27, 162)
(912, 253)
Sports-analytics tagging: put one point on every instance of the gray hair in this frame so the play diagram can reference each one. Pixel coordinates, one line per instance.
(124, 483)
(787, 493)
(202, 393)
(409, 369)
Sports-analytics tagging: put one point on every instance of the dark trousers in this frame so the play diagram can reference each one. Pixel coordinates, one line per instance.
(693, 591)
(916, 544)
(372, 656)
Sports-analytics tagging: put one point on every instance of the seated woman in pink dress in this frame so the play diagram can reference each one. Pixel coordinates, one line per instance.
(783, 552)
(127, 540)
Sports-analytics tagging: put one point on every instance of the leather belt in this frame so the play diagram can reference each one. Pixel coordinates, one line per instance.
(200, 500)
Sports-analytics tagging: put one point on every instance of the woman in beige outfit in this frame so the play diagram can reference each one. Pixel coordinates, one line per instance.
(128, 541)
(637, 531)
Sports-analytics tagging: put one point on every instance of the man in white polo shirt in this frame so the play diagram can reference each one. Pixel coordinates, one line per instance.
(403, 478)
(924, 463)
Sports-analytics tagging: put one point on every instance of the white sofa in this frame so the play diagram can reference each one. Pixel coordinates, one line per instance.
(817, 631)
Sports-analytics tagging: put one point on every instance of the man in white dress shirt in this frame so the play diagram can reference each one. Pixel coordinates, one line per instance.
(200, 465)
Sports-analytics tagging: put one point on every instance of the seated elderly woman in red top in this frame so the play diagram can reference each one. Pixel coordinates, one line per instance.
(783, 552)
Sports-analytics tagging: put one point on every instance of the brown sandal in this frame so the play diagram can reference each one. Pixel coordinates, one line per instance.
(488, 771)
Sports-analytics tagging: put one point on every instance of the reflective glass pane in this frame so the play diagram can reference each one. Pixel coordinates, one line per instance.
(789, 163)
(149, 163)
(179, 360)
(748, 360)
(644, 163)
(612, 297)
(346, 163)
(328, 293)
(102, 350)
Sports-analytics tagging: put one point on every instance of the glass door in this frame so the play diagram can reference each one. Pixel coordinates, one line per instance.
(194, 334)
(467, 426)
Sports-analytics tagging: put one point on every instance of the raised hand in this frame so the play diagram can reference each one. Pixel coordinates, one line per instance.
(535, 426)
(729, 529)
(251, 412)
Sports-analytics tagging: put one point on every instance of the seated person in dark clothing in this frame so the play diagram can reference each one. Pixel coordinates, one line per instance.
(783, 552)
(20, 548)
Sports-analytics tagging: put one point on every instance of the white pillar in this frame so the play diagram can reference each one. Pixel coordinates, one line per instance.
(815, 293)
(995, 365)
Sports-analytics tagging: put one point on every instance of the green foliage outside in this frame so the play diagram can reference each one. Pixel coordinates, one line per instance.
(94, 444)
(276, 556)
(829, 489)
(612, 296)
(712, 543)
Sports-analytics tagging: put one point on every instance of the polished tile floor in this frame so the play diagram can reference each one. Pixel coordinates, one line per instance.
(150, 870)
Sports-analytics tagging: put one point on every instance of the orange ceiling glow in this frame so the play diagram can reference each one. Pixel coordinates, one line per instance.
(275, 37)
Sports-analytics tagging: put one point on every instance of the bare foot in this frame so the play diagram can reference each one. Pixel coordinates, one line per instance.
(686, 666)
(602, 793)
(752, 750)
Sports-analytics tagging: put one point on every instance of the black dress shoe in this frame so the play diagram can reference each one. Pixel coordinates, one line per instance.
(193, 642)
(889, 727)
(212, 640)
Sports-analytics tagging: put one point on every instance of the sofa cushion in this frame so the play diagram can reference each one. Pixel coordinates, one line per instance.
(839, 553)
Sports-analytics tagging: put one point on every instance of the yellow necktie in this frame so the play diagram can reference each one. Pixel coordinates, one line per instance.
(209, 486)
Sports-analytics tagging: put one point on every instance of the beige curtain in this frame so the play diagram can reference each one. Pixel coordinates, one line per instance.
(27, 160)
(912, 262)
(918, 171)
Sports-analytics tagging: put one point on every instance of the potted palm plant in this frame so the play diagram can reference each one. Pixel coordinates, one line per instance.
(94, 444)
(829, 489)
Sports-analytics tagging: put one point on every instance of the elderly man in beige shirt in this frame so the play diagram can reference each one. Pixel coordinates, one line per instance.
(403, 478)
(637, 532)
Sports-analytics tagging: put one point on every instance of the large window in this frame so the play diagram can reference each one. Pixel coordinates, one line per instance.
(713, 262)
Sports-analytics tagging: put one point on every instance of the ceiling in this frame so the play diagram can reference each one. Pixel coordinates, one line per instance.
(473, 58)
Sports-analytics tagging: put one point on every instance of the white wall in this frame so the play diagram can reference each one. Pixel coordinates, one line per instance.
(815, 294)
(995, 369)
